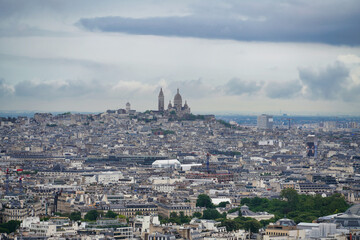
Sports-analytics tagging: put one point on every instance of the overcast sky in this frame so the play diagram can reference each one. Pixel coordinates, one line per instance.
(296, 57)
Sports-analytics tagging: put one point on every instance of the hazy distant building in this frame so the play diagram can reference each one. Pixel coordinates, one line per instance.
(178, 108)
(265, 122)
(178, 101)
(128, 107)
(161, 101)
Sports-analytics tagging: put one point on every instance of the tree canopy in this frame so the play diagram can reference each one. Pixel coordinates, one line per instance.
(299, 207)
(91, 215)
(111, 214)
(75, 216)
(204, 200)
(9, 226)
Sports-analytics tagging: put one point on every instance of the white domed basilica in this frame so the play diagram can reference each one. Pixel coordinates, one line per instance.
(177, 108)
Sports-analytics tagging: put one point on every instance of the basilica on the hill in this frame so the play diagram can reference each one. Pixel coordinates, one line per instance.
(177, 108)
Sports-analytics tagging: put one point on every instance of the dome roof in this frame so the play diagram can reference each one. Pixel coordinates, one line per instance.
(186, 105)
(177, 96)
(285, 222)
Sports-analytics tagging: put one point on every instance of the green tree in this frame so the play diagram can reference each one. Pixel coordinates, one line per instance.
(223, 204)
(230, 225)
(138, 213)
(75, 216)
(197, 215)
(290, 194)
(252, 225)
(204, 200)
(110, 214)
(183, 218)
(9, 226)
(211, 214)
(91, 215)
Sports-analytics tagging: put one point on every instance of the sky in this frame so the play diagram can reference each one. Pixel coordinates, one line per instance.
(240, 57)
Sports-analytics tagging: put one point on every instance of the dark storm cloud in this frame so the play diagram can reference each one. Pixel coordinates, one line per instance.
(283, 90)
(329, 83)
(331, 22)
(237, 86)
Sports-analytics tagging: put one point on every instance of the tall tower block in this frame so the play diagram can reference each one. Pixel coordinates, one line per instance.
(161, 101)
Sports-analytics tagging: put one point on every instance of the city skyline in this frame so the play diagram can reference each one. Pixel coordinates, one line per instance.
(226, 57)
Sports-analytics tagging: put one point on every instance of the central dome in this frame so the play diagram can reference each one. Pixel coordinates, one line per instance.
(178, 100)
(177, 96)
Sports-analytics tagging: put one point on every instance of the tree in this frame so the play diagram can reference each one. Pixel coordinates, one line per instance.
(204, 200)
(223, 204)
(138, 213)
(211, 214)
(9, 226)
(291, 195)
(230, 225)
(173, 214)
(252, 225)
(110, 214)
(197, 215)
(75, 216)
(91, 215)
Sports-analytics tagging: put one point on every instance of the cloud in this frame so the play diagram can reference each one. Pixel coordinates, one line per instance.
(133, 87)
(192, 88)
(283, 90)
(325, 83)
(5, 90)
(56, 89)
(320, 22)
(330, 83)
(237, 86)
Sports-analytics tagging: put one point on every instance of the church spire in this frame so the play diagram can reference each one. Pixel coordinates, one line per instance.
(161, 101)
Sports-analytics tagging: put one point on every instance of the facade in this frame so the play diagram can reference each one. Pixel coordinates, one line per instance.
(166, 209)
(123, 233)
(245, 211)
(131, 210)
(283, 229)
(265, 122)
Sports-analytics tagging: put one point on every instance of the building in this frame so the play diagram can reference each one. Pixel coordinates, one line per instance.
(161, 101)
(123, 233)
(350, 219)
(131, 210)
(283, 229)
(166, 209)
(265, 122)
(177, 108)
(245, 212)
(311, 146)
(170, 163)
